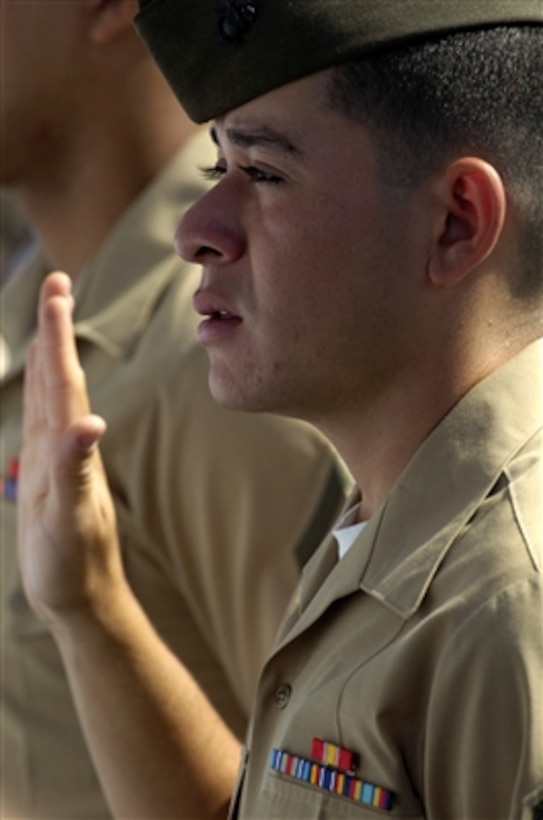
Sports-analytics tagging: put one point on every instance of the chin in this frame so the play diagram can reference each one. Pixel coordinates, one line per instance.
(235, 399)
(233, 395)
(252, 390)
(250, 401)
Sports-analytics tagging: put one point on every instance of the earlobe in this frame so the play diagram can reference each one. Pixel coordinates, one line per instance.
(111, 18)
(472, 207)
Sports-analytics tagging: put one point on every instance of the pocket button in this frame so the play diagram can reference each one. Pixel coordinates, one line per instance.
(282, 695)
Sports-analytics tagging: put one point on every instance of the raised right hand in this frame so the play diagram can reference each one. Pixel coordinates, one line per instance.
(68, 549)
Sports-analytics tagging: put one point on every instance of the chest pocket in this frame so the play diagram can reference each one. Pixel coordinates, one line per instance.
(283, 797)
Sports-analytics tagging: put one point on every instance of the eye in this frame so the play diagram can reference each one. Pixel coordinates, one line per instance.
(258, 175)
(213, 173)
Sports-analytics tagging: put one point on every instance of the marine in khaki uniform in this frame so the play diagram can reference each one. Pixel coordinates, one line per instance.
(424, 583)
(208, 502)
(372, 260)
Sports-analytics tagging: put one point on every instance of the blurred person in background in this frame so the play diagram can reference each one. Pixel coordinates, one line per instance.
(216, 510)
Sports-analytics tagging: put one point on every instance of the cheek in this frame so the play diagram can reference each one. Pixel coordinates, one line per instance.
(312, 266)
(306, 279)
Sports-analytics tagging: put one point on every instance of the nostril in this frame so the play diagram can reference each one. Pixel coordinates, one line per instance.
(204, 251)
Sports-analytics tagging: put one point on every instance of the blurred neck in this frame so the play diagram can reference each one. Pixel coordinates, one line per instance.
(74, 198)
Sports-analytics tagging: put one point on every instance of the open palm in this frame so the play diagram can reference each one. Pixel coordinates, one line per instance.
(67, 537)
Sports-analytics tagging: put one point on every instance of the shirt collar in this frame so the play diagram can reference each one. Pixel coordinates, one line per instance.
(448, 478)
(18, 299)
(396, 556)
(117, 293)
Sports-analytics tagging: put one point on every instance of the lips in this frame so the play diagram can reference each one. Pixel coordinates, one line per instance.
(206, 304)
(219, 318)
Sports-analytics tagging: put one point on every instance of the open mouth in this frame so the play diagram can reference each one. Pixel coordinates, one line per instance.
(216, 326)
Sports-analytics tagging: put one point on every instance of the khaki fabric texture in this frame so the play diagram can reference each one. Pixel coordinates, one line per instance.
(13, 233)
(422, 649)
(218, 56)
(211, 504)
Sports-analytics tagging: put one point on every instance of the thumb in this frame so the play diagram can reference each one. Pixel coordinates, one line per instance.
(89, 433)
(77, 459)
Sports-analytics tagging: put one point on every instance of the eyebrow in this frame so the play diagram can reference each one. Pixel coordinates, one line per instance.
(265, 136)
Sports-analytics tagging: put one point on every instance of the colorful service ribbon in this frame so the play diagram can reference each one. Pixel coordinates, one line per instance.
(8, 482)
(332, 770)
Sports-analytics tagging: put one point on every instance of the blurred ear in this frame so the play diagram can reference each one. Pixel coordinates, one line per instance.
(471, 214)
(110, 18)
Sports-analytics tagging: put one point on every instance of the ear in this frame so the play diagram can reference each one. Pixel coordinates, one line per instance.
(472, 209)
(110, 18)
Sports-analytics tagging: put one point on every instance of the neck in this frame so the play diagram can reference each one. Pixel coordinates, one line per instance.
(377, 445)
(74, 203)
(378, 441)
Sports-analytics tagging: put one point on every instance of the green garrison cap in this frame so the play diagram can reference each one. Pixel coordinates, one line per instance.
(219, 54)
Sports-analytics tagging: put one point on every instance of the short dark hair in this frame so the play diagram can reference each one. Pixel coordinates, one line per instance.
(477, 91)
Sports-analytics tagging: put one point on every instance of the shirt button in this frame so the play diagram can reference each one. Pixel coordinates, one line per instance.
(282, 695)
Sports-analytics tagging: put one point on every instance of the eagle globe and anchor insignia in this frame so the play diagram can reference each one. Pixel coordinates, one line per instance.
(236, 18)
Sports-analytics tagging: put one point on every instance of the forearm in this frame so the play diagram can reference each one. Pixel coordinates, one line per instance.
(159, 748)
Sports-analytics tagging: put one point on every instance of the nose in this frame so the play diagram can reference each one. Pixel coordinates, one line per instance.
(210, 231)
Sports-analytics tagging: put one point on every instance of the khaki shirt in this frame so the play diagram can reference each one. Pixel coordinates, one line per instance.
(421, 651)
(211, 504)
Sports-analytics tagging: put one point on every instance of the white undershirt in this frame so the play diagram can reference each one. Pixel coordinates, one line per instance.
(347, 530)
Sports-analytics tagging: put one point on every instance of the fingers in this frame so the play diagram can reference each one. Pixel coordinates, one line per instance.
(32, 393)
(59, 381)
(57, 283)
(64, 507)
(55, 395)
